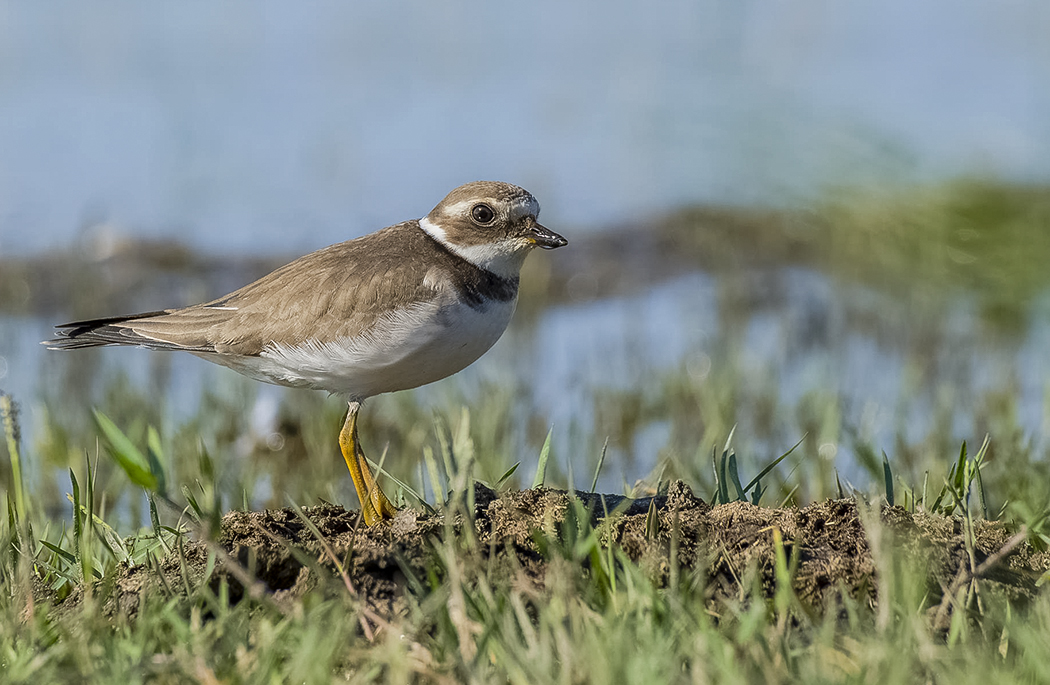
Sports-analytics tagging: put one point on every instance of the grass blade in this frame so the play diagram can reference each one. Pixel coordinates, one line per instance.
(437, 488)
(155, 459)
(887, 475)
(9, 412)
(959, 479)
(721, 480)
(127, 456)
(508, 474)
(62, 554)
(652, 521)
(734, 476)
(541, 467)
(404, 487)
(772, 465)
(598, 468)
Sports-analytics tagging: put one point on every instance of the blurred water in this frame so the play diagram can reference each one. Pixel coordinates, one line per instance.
(266, 126)
(887, 371)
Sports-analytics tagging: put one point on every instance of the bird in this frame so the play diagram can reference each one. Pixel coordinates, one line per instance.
(407, 305)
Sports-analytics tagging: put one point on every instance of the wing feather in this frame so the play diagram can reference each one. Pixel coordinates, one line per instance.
(338, 292)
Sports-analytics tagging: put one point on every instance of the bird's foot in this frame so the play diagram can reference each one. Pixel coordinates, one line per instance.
(376, 508)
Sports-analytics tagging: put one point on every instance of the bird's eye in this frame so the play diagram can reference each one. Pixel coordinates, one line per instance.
(482, 214)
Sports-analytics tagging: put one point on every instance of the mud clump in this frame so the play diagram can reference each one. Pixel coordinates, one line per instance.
(733, 548)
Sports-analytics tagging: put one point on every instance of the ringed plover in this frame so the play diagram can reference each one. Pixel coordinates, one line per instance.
(402, 307)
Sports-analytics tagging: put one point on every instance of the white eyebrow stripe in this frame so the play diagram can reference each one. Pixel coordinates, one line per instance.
(461, 207)
(522, 206)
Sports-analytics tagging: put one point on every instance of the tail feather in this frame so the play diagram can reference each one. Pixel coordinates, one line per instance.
(114, 330)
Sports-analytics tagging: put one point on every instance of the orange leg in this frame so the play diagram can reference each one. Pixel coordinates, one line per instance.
(374, 505)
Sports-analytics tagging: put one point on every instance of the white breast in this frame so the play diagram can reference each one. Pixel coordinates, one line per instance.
(409, 347)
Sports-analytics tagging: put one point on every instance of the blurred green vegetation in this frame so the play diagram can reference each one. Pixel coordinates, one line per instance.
(973, 237)
(977, 237)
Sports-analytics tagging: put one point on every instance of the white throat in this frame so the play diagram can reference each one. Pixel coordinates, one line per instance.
(503, 258)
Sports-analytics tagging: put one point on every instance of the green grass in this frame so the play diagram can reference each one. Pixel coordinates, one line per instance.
(598, 618)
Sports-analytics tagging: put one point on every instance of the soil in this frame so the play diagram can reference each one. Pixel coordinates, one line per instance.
(732, 548)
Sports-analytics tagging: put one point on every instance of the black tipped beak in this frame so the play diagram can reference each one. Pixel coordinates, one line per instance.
(543, 237)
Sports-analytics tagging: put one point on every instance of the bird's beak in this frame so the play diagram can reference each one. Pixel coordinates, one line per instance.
(541, 236)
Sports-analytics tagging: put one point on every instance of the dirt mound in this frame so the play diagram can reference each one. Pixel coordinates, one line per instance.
(277, 555)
